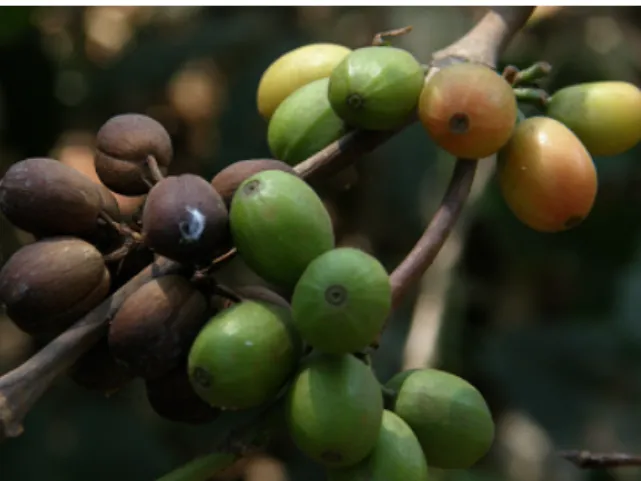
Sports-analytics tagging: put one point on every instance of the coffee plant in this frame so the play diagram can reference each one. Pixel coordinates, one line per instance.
(113, 297)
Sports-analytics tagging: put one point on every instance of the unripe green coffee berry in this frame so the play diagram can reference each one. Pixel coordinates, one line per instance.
(244, 355)
(342, 300)
(376, 88)
(334, 410)
(279, 225)
(303, 124)
(448, 415)
(397, 456)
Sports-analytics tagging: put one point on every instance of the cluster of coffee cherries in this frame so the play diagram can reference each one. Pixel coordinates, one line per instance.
(203, 348)
(314, 94)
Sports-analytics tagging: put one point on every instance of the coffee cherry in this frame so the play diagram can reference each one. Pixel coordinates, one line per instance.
(342, 300)
(279, 225)
(397, 456)
(605, 116)
(376, 88)
(227, 180)
(48, 285)
(97, 370)
(46, 198)
(295, 69)
(303, 124)
(123, 145)
(546, 176)
(185, 219)
(448, 415)
(334, 410)
(244, 355)
(172, 397)
(127, 206)
(468, 110)
(153, 330)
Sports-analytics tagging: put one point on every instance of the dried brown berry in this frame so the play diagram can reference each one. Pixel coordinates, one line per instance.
(154, 328)
(172, 397)
(47, 198)
(185, 219)
(97, 370)
(127, 205)
(123, 145)
(227, 180)
(48, 285)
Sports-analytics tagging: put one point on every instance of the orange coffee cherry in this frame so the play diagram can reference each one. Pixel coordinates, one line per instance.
(468, 110)
(547, 177)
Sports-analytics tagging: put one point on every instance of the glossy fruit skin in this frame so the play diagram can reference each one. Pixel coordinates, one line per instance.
(334, 410)
(546, 176)
(342, 300)
(185, 219)
(303, 124)
(447, 414)
(48, 285)
(244, 355)
(153, 330)
(376, 88)
(127, 205)
(226, 182)
(468, 110)
(295, 69)
(279, 225)
(47, 198)
(397, 456)
(123, 144)
(605, 116)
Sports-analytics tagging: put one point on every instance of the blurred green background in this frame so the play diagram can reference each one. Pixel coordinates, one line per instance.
(548, 327)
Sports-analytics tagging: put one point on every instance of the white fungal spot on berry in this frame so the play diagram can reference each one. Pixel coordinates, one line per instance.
(192, 228)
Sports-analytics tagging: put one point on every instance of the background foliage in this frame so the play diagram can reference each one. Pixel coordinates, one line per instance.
(547, 326)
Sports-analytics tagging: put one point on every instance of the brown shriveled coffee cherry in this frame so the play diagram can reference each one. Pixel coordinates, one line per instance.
(172, 397)
(185, 219)
(227, 180)
(47, 198)
(155, 326)
(48, 285)
(97, 370)
(123, 145)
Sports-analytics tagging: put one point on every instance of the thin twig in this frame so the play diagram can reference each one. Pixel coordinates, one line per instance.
(379, 38)
(589, 460)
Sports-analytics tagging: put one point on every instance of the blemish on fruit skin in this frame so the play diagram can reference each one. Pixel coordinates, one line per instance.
(202, 377)
(251, 187)
(192, 229)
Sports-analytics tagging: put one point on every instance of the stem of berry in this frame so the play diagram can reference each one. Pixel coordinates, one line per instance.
(589, 460)
(156, 174)
(531, 74)
(538, 97)
(380, 38)
(410, 270)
